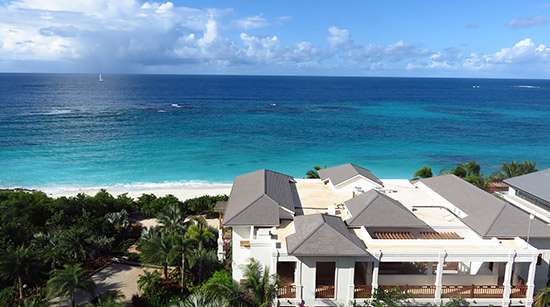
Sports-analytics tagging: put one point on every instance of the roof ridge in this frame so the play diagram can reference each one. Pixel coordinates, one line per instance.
(265, 181)
(240, 211)
(349, 240)
(308, 236)
(495, 219)
(396, 203)
(354, 217)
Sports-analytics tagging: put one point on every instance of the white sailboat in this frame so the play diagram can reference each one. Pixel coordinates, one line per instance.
(100, 79)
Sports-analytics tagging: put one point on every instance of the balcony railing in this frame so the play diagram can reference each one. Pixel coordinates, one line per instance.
(324, 291)
(363, 291)
(518, 291)
(286, 291)
(415, 291)
(428, 291)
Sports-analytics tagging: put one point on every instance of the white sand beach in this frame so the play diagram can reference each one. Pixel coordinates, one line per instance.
(181, 193)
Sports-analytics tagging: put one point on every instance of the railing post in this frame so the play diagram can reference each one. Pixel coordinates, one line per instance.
(472, 290)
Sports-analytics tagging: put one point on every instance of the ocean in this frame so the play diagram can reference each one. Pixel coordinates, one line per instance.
(70, 130)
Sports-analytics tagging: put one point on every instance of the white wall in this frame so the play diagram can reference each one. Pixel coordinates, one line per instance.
(541, 275)
(343, 280)
(358, 181)
(240, 254)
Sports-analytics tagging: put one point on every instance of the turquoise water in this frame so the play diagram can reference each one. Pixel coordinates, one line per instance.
(59, 131)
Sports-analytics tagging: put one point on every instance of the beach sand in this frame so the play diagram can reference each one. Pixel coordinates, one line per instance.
(181, 193)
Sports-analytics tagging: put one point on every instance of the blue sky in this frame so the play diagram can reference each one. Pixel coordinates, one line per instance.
(499, 39)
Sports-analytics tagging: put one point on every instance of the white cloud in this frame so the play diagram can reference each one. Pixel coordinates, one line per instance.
(120, 35)
(528, 22)
(339, 38)
(524, 51)
(401, 50)
(254, 22)
(263, 49)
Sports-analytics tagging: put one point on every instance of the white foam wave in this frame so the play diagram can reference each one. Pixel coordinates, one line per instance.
(133, 187)
(161, 111)
(528, 86)
(175, 105)
(52, 112)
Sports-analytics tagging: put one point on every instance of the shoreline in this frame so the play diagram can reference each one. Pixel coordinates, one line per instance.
(182, 192)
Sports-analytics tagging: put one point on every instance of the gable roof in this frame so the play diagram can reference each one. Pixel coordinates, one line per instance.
(374, 209)
(323, 235)
(537, 183)
(487, 215)
(260, 198)
(341, 173)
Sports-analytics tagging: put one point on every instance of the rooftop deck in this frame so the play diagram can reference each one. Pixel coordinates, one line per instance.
(449, 232)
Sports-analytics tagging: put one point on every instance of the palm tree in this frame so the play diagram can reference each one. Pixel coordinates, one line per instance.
(184, 247)
(201, 299)
(509, 170)
(469, 171)
(259, 283)
(201, 236)
(149, 281)
(312, 174)
(424, 172)
(119, 219)
(542, 299)
(529, 167)
(73, 241)
(158, 250)
(172, 220)
(109, 298)
(20, 265)
(222, 286)
(464, 170)
(66, 281)
(208, 263)
(514, 169)
(36, 302)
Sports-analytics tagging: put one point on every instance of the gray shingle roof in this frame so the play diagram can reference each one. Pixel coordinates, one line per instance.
(221, 206)
(341, 173)
(374, 209)
(537, 183)
(323, 235)
(258, 198)
(488, 215)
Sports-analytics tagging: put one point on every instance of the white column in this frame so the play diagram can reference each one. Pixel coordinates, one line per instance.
(508, 279)
(298, 280)
(368, 272)
(351, 292)
(439, 277)
(375, 270)
(531, 280)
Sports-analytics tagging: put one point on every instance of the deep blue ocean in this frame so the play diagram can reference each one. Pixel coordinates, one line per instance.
(70, 130)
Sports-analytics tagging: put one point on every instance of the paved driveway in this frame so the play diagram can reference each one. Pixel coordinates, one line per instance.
(115, 276)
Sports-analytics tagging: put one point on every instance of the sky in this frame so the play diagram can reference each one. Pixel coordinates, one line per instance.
(478, 39)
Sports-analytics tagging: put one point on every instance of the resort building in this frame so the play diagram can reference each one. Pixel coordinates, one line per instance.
(335, 239)
(531, 192)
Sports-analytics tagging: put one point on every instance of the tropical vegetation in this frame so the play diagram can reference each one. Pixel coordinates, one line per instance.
(471, 172)
(312, 174)
(49, 246)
